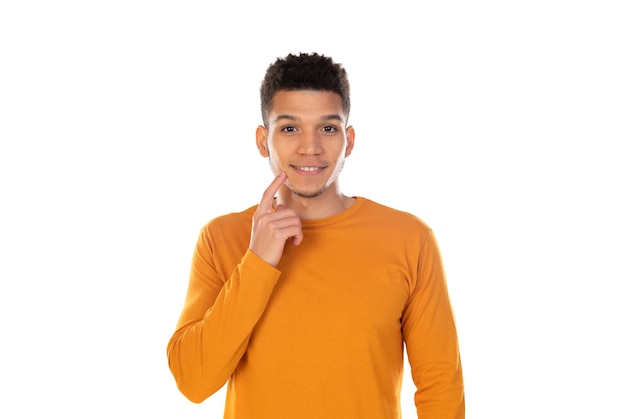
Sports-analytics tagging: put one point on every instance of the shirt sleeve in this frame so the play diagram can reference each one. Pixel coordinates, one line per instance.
(217, 320)
(431, 340)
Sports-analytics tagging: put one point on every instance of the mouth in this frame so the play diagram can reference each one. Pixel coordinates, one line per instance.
(308, 170)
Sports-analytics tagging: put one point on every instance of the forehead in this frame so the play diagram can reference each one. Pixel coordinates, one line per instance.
(309, 103)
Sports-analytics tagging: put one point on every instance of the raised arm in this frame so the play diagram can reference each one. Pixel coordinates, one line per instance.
(220, 313)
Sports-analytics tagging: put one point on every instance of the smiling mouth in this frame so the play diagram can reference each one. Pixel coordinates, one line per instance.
(309, 169)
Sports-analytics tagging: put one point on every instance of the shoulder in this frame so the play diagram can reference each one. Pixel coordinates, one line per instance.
(230, 222)
(393, 217)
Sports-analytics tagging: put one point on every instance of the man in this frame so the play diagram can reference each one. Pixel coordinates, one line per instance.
(303, 302)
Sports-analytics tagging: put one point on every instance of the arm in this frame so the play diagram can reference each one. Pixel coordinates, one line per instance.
(219, 315)
(217, 321)
(431, 341)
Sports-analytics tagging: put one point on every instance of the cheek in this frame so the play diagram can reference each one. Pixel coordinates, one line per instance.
(342, 153)
(274, 162)
(277, 154)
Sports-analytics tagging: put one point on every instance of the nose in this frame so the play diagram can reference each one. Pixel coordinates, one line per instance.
(309, 144)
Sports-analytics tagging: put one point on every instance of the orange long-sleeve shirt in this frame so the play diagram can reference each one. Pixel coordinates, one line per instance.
(322, 334)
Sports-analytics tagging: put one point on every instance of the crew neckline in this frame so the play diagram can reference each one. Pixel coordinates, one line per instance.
(340, 216)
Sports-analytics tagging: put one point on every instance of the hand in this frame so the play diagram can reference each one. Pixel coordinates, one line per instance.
(272, 229)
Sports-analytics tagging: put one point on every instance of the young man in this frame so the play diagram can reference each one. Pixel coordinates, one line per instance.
(303, 302)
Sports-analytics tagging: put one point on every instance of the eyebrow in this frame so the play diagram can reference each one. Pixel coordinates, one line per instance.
(331, 117)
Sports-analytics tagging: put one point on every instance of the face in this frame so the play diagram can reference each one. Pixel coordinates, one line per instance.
(307, 138)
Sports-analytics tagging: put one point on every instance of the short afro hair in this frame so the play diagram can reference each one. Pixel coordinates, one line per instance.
(304, 72)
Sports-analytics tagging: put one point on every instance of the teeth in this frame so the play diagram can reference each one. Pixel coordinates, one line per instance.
(307, 168)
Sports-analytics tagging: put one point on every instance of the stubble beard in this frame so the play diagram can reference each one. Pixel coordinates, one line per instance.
(307, 194)
(313, 194)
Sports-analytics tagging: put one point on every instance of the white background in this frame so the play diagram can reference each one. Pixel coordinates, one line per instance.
(126, 125)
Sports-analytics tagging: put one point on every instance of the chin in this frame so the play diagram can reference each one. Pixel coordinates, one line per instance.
(307, 194)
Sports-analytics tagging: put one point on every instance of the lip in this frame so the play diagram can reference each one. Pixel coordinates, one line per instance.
(307, 170)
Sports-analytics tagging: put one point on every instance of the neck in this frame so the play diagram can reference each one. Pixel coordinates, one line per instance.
(327, 204)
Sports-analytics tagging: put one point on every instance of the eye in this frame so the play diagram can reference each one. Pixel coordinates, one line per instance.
(329, 129)
(288, 129)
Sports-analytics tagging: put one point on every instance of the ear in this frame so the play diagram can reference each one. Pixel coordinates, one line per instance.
(349, 140)
(261, 140)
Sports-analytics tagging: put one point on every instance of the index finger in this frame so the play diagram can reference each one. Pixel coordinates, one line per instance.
(268, 196)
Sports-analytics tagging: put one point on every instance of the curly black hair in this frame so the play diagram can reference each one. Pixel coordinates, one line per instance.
(304, 72)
